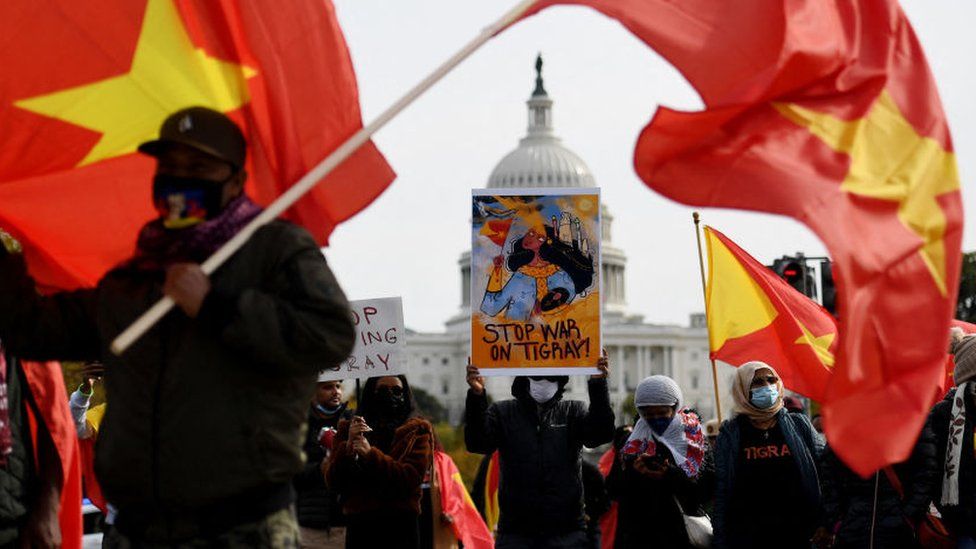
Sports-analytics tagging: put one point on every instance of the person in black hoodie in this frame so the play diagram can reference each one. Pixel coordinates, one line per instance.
(539, 437)
(881, 510)
(954, 424)
(319, 516)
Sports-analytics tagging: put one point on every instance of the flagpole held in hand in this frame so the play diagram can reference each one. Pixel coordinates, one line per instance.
(701, 268)
(155, 313)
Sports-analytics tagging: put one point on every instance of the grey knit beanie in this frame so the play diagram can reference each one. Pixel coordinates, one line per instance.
(657, 391)
(964, 351)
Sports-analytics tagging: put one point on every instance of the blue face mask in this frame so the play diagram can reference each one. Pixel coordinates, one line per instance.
(659, 424)
(327, 411)
(764, 397)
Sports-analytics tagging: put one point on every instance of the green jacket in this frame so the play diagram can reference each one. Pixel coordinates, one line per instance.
(200, 410)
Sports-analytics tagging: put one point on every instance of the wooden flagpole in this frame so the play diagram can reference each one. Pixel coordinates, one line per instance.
(313, 177)
(701, 269)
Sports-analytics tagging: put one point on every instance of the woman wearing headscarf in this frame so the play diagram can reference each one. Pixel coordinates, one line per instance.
(954, 423)
(660, 467)
(767, 488)
(379, 465)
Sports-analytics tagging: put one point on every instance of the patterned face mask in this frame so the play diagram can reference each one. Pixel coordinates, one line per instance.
(185, 201)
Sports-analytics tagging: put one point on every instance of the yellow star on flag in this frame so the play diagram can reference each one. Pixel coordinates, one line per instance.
(820, 344)
(168, 73)
(891, 161)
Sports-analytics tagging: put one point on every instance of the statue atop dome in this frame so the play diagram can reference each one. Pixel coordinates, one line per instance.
(539, 88)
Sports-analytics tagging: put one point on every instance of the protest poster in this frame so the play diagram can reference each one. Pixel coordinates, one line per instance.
(535, 281)
(380, 341)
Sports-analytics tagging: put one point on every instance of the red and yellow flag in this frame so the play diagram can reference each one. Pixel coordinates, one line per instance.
(83, 83)
(456, 503)
(755, 315)
(47, 391)
(492, 482)
(825, 112)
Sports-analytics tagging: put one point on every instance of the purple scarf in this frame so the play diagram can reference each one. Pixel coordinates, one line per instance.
(158, 247)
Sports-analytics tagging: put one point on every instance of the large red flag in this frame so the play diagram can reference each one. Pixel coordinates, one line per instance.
(467, 524)
(83, 83)
(825, 112)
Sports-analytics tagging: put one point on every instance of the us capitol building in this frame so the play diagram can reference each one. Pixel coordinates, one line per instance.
(637, 349)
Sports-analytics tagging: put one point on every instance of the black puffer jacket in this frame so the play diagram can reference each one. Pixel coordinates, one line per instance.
(539, 454)
(207, 412)
(960, 519)
(849, 499)
(316, 506)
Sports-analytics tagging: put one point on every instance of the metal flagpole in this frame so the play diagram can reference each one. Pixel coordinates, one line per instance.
(701, 269)
(306, 183)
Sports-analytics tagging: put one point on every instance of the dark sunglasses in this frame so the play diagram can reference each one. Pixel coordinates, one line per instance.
(554, 379)
(395, 391)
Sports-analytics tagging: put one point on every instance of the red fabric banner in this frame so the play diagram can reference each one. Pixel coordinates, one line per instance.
(467, 524)
(85, 82)
(825, 112)
(46, 384)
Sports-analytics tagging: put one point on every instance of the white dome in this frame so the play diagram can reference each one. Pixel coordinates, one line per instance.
(541, 162)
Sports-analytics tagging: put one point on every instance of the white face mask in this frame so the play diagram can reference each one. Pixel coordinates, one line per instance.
(542, 391)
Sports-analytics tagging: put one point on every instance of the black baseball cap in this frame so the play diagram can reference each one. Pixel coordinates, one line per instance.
(206, 130)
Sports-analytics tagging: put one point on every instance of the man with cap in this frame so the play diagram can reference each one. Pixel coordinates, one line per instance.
(954, 423)
(204, 431)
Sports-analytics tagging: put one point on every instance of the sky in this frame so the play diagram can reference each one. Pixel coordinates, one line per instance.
(605, 85)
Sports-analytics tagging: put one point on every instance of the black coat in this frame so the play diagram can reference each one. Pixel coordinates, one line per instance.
(316, 506)
(849, 499)
(648, 515)
(960, 519)
(541, 491)
(206, 412)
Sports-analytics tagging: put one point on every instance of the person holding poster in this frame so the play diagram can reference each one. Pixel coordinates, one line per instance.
(378, 465)
(539, 437)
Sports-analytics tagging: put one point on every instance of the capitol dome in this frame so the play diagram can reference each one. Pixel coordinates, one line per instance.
(540, 159)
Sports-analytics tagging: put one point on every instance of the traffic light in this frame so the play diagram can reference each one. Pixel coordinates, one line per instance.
(794, 270)
(827, 288)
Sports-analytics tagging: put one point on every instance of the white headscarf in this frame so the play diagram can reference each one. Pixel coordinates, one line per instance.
(683, 437)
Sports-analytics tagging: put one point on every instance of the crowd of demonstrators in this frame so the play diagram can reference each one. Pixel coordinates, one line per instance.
(661, 465)
(202, 443)
(202, 438)
(954, 423)
(766, 465)
(320, 519)
(380, 461)
(539, 437)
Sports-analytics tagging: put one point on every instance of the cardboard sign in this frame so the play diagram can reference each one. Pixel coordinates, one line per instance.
(535, 281)
(380, 341)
